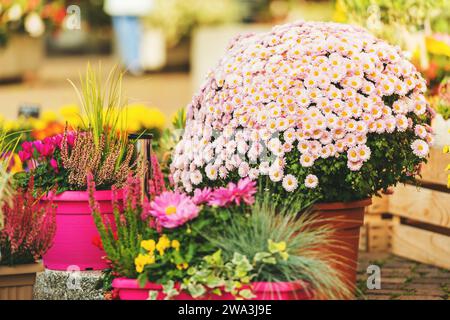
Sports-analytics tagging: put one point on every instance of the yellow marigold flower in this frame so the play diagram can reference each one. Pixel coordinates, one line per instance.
(149, 245)
(176, 244)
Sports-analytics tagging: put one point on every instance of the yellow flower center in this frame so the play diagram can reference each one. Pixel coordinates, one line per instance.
(171, 210)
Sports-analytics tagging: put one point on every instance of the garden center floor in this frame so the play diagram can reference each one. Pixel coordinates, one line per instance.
(403, 279)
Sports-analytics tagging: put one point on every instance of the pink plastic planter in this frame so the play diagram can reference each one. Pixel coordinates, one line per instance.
(129, 289)
(73, 246)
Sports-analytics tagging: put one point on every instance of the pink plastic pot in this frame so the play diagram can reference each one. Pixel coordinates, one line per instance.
(128, 289)
(73, 246)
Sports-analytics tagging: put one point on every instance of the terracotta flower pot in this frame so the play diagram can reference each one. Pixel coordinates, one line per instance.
(73, 245)
(129, 289)
(347, 219)
(16, 283)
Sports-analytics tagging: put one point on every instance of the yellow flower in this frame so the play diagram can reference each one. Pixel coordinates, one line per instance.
(284, 255)
(49, 116)
(148, 245)
(446, 149)
(17, 167)
(176, 244)
(182, 266)
(143, 260)
(38, 124)
(69, 110)
(163, 244)
(154, 119)
(276, 246)
(437, 47)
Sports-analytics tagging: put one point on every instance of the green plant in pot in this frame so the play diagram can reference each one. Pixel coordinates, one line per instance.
(223, 243)
(60, 165)
(321, 111)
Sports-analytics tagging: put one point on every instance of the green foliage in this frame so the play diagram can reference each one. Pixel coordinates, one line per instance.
(164, 146)
(45, 177)
(103, 104)
(391, 161)
(7, 145)
(215, 275)
(284, 245)
(411, 13)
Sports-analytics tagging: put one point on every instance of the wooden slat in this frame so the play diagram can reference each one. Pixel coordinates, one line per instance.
(421, 245)
(434, 170)
(379, 205)
(421, 204)
(375, 235)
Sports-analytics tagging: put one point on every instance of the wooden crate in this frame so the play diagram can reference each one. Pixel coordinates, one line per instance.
(419, 227)
(421, 245)
(375, 234)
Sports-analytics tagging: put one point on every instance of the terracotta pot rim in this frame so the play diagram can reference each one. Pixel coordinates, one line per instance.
(127, 283)
(82, 196)
(28, 268)
(343, 205)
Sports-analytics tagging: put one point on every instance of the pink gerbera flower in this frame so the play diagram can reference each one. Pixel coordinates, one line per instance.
(173, 209)
(202, 196)
(243, 191)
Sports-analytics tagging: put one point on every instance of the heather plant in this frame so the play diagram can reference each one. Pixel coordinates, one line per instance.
(99, 147)
(325, 111)
(121, 238)
(86, 157)
(29, 228)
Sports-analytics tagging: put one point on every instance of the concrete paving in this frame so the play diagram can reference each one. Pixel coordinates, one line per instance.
(402, 279)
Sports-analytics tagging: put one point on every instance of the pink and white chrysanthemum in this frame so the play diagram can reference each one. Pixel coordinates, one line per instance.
(311, 181)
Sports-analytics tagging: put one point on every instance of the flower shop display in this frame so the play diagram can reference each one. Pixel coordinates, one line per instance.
(22, 24)
(27, 235)
(29, 17)
(321, 111)
(224, 244)
(60, 165)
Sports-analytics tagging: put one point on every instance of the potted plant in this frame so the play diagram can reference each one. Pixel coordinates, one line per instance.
(62, 163)
(182, 247)
(28, 233)
(323, 111)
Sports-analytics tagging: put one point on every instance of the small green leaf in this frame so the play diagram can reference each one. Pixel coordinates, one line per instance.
(247, 294)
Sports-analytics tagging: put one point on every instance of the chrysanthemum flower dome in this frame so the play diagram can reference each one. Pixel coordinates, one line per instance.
(311, 106)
